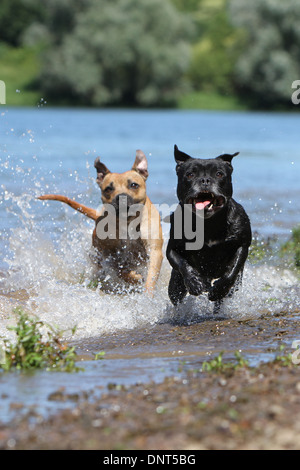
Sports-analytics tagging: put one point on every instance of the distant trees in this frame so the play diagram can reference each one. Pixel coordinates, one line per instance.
(15, 17)
(128, 52)
(149, 52)
(270, 58)
(216, 49)
(246, 48)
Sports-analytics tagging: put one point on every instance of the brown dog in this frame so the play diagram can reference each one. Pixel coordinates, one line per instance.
(132, 241)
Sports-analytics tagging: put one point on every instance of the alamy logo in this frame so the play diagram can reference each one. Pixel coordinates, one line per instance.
(125, 222)
(296, 354)
(2, 92)
(296, 94)
(2, 352)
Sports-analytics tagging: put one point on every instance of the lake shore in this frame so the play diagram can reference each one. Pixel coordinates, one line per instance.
(209, 401)
(237, 408)
(45, 257)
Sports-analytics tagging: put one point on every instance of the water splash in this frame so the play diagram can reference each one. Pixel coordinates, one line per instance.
(49, 273)
(48, 267)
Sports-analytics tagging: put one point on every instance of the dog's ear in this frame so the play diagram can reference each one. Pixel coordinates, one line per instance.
(180, 157)
(227, 157)
(102, 170)
(140, 164)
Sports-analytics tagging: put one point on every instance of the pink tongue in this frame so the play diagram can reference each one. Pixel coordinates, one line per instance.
(201, 205)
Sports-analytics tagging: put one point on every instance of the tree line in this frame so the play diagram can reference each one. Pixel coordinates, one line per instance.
(151, 52)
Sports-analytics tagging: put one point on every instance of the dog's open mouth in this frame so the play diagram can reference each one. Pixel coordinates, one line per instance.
(208, 202)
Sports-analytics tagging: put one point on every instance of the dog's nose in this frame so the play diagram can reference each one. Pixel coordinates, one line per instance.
(123, 199)
(206, 181)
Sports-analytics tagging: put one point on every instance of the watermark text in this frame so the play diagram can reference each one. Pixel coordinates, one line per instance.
(296, 94)
(2, 92)
(296, 354)
(2, 352)
(134, 221)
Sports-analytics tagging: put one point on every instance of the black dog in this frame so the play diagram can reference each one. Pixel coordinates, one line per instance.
(205, 185)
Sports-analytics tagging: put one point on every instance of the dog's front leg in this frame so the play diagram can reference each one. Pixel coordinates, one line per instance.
(154, 265)
(222, 286)
(177, 289)
(151, 235)
(191, 278)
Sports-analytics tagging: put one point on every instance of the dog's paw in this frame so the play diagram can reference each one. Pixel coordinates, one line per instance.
(193, 283)
(219, 289)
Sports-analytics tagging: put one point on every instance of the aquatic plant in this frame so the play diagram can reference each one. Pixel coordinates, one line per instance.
(291, 249)
(36, 349)
(218, 365)
(99, 355)
(286, 359)
(261, 248)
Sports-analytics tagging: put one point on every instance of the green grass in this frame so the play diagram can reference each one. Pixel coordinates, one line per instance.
(285, 360)
(19, 68)
(291, 249)
(210, 101)
(37, 346)
(261, 249)
(218, 365)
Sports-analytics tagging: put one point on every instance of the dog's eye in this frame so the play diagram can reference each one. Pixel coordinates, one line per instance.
(134, 185)
(190, 175)
(108, 189)
(219, 174)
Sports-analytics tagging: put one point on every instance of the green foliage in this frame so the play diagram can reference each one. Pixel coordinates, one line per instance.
(212, 54)
(218, 365)
(60, 17)
(120, 54)
(93, 284)
(187, 5)
(15, 17)
(269, 62)
(285, 360)
(99, 355)
(291, 249)
(216, 51)
(261, 248)
(286, 254)
(211, 100)
(31, 351)
(19, 68)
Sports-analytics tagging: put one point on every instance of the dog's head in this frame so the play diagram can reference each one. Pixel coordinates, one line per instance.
(119, 187)
(204, 183)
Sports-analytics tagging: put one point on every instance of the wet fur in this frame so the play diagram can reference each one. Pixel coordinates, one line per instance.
(145, 250)
(218, 266)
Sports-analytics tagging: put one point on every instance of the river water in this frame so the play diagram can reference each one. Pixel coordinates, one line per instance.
(45, 246)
